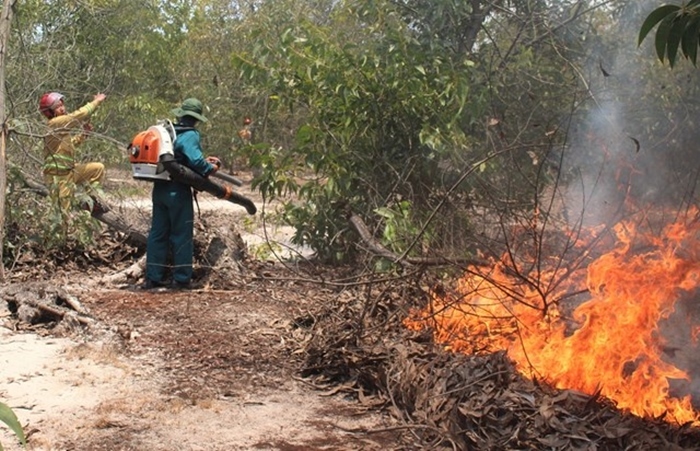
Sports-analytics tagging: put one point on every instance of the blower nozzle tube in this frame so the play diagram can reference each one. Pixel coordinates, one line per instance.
(183, 174)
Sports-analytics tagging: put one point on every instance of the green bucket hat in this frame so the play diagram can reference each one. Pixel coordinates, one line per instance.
(190, 107)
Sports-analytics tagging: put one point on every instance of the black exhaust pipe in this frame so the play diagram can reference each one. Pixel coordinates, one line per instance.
(183, 174)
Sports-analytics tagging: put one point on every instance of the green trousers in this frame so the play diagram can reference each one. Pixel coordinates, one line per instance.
(172, 226)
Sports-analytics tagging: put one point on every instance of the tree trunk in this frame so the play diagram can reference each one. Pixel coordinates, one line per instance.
(5, 22)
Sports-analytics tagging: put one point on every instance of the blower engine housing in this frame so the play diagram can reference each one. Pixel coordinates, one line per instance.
(147, 148)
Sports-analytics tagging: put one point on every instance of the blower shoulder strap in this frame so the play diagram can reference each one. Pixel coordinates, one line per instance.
(177, 128)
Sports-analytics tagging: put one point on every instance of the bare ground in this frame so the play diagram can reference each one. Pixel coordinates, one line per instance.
(189, 371)
(208, 369)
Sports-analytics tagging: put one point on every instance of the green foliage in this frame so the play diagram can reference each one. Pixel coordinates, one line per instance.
(355, 103)
(400, 227)
(8, 417)
(401, 232)
(678, 28)
(379, 109)
(42, 223)
(128, 49)
(266, 250)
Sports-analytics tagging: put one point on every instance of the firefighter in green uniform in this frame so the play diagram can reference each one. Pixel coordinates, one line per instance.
(172, 223)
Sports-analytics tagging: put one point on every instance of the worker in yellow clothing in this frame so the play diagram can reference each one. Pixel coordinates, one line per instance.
(60, 166)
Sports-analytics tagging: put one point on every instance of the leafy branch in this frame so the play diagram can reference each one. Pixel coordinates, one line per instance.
(678, 29)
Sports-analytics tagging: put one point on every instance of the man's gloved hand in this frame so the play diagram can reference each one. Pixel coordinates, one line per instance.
(214, 161)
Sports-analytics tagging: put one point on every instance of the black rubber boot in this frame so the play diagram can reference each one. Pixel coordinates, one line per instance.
(148, 284)
(177, 285)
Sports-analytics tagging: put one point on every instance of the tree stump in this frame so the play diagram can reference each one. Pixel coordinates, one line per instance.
(219, 251)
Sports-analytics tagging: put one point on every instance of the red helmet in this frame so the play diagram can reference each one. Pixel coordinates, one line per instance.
(47, 103)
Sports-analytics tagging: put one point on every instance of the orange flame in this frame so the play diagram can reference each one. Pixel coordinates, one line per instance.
(609, 344)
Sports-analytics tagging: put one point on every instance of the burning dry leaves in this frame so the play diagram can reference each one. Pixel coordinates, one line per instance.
(454, 401)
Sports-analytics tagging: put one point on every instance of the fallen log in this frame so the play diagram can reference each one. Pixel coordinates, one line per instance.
(112, 220)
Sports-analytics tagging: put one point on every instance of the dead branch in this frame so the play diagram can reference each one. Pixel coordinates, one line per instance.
(30, 183)
(56, 313)
(378, 249)
(72, 302)
(41, 302)
(133, 272)
(361, 228)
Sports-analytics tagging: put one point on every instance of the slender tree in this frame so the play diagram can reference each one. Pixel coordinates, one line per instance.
(5, 22)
